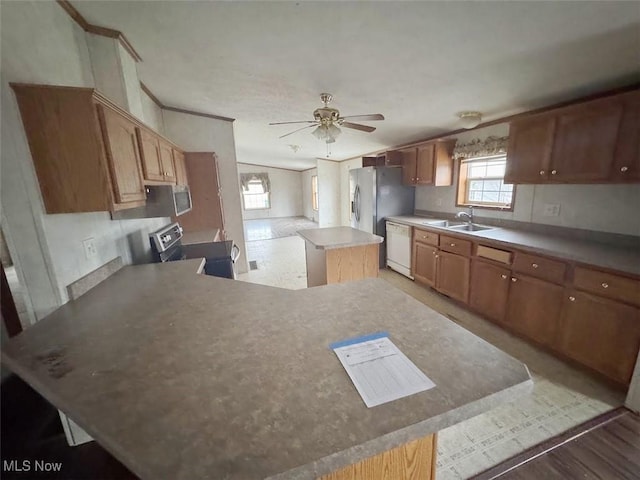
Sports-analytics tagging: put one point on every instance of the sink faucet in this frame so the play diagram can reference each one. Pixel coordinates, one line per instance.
(468, 215)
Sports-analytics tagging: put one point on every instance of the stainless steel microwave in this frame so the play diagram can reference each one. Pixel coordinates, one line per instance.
(162, 201)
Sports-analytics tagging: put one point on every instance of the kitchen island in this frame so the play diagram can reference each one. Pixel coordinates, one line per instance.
(340, 254)
(230, 380)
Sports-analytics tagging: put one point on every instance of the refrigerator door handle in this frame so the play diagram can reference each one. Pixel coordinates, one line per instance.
(356, 197)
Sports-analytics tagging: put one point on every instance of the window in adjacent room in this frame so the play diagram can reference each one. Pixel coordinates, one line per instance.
(314, 192)
(255, 191)
(481, 183)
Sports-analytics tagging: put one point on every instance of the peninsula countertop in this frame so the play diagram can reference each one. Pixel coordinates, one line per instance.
(626, 260)
(338, 237)
(231, 380)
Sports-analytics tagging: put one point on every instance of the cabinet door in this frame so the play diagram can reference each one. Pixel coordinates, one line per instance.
(489, 289)
(453, 276)
(409, 165)
(534, 308)
(150, 155)
(425, 165)
(443, 163)
(180, 168)
(585, 141)
(601, 334)
(529, 149)
(166, 162)
(424, 263)
(122, 151)
(626, 166)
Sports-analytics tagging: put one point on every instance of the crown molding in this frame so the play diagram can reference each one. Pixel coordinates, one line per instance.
(98, 30)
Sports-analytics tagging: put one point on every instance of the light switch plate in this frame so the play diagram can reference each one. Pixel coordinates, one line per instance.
(89, 245)
(551, 210)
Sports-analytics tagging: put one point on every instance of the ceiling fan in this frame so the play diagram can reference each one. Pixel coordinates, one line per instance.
(327, 119)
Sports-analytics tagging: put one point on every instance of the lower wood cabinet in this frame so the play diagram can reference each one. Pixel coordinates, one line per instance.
(601, 334)
(533, 309)
(424, 263)
(453, 275)
(489, 289)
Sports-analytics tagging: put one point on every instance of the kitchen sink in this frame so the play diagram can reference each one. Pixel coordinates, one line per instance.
(469, 227)
(443, 223)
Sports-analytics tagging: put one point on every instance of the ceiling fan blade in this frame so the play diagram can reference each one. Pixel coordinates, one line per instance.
(291, 133)
(287, 123)
(367, 118)
(357, 126)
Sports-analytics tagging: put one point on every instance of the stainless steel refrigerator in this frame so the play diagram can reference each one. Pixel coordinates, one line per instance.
(377, 193)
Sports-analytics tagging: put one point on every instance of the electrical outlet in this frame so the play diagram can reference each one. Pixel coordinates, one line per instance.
(89, 245)
(551, 210)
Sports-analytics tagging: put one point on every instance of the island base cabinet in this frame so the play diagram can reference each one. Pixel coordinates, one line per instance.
(338, 265)
(601, 334)
(489, 289)
(534, 309)
(415, 460)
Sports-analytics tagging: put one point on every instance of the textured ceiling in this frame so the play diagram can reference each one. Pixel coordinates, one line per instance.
(417, 63)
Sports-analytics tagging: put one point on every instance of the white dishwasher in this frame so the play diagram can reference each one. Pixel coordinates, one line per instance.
(399, 248)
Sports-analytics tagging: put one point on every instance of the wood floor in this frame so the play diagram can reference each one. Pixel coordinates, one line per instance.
(610, 451)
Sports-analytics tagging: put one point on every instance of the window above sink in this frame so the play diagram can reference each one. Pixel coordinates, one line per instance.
(481, 183)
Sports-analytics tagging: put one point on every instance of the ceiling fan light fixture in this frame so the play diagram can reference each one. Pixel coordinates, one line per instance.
(326, 133)
(470, 119)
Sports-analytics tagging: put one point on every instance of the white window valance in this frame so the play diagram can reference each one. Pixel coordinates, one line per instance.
(481, 148)
(263, 178)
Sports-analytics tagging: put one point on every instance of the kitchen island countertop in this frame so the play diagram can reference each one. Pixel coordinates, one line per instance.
(225, 379)
(338, 237)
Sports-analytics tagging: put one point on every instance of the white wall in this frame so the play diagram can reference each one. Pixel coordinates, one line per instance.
(152, 113)
(42, 44)
(286, 192)
(307, 202)
(203, 134)
(328, 193)
(606, 208)
(345, 194)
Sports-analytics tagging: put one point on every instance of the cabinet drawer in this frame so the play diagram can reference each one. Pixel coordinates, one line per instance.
(540, 267)
(424, 236)
(455, 245)
(495, 254)
(607, 285)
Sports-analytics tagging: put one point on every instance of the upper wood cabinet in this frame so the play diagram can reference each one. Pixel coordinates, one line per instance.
(626, 167)
(180, 167)
(88, 153)
(529, 149)
(157, 158)
(428, 164)
(123, 158)
(391, 158)
(591, 142)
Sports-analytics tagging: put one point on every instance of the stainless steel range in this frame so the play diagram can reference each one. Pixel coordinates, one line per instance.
(166, 245)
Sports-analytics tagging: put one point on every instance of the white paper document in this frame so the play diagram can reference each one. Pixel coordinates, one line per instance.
(379, 370)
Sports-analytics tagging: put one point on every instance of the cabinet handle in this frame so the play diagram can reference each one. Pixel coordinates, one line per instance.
(434, 252)
(534, 265)
(573, 299)
(424, 236)
(514, 279)
(453, 244)
(437, 256)
(541, 172)
(624, 169)
(553, 172)
(503, 276)
(605, 285)
(417, 179)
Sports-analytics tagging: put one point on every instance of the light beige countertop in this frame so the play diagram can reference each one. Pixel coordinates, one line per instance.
(625, 260)
(202, 236)
(221, 379)
(338, 237)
